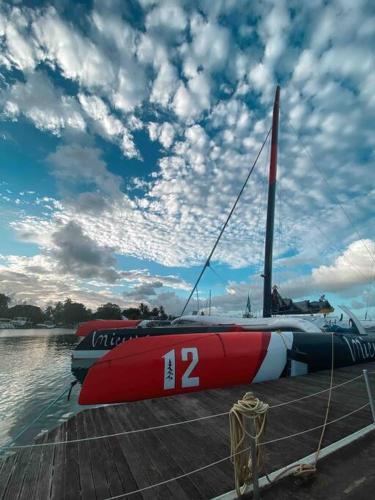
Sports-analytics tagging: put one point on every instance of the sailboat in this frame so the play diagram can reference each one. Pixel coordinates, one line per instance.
(196, 353)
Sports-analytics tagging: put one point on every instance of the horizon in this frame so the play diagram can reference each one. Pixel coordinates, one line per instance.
(128, 130)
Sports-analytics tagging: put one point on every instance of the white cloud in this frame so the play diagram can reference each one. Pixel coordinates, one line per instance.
(168, 15)
(210, 45)
(107, 124)
(48, 108)
(165, 133)
(76, 55)
(195, 86)
(191, 100)
(20, 52)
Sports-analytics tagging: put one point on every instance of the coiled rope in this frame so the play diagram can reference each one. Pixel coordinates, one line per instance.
(249, 407)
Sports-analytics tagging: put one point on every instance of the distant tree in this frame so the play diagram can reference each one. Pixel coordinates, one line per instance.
(144, 311)
(162, 314)
(48, 313)
(74, 312)
(33, 313)
(58, 313)
(132, 313)
(108, 311)
(4, 302)
(154, 312)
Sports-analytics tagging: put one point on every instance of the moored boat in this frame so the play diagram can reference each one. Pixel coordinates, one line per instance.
(175, 364)
(220, 351)
(6, 323)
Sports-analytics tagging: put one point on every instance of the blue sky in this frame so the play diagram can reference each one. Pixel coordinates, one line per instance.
(127, 129)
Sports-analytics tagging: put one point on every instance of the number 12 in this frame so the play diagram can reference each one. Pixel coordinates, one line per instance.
(170, 368)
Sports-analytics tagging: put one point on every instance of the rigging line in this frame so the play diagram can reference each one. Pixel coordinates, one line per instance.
(308, 152)
(226, 222)
(217, 274)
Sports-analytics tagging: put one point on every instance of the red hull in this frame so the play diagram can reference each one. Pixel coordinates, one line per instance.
(154, 367)
(103, 324)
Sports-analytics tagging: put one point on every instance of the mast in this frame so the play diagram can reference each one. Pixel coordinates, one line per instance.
(267, 275)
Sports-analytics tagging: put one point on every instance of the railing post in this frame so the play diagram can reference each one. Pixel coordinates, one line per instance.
(368, 387)
(254, 460)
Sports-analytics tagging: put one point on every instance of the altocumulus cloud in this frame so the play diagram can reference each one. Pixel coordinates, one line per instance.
(197, 81)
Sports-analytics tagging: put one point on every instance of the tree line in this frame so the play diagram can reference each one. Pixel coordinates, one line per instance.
(69, 313)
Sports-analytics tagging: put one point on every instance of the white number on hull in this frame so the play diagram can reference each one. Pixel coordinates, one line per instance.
(170, 368)
(192, 381)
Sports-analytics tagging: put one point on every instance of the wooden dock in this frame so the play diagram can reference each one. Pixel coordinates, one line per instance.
(110, 467)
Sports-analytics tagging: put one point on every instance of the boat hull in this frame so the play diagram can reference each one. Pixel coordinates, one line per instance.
(153, 367)
(160, 366)
(99, 342)
(102, 324)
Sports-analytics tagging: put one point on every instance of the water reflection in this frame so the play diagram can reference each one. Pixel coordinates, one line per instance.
(34, 369)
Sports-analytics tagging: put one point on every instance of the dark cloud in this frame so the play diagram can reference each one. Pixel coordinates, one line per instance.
(144, 291)
(79, 164)
(80, 255)
(93, 203)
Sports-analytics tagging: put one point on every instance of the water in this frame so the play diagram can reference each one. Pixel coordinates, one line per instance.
(34, 370)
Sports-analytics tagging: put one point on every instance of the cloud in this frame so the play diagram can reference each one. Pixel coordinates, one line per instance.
(21, 53)
(82, 164)
(81, 256)
(141, 292)
(78, 57)
(200, 80)
(108, 125)
(166, 16)
(164, 132)
(42, 103)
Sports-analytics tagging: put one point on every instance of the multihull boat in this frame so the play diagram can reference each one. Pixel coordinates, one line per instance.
(202, 352)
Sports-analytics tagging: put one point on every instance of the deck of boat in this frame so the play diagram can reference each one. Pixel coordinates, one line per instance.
(111, 467)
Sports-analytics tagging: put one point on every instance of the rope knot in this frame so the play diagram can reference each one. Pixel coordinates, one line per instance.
(255, 411)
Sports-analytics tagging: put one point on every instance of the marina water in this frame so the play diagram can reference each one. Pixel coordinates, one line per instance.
(34, 370)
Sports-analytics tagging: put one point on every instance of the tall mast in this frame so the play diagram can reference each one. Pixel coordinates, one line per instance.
(267, 301)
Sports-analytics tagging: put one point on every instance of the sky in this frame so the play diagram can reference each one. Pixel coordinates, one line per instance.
(128, 128)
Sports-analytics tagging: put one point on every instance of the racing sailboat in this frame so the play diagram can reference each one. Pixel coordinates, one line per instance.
(203, 352)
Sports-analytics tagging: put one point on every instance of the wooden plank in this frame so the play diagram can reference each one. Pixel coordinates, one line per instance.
(57, 469)
(104, 428)
(7, 470)
(100, 470)
(46, 468)
(17, 479)
(162, 456)
(72, 465)
(115, 450)
(185, 443)
(28, 489)
(85, 470)
(136, 457)
(149, 473)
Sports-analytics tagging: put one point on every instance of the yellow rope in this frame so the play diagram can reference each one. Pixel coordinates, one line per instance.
(248, 407)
